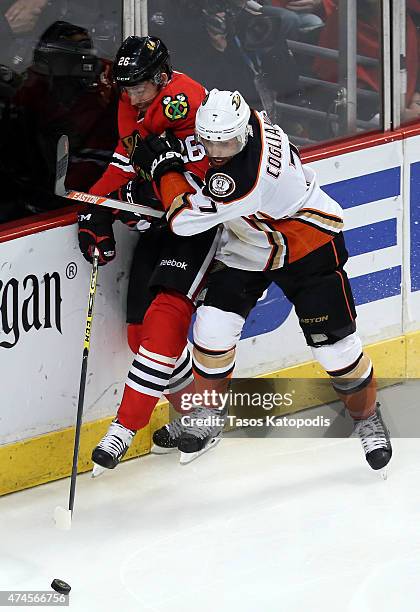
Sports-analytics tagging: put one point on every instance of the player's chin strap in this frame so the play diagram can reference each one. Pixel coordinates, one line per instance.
(88, 198)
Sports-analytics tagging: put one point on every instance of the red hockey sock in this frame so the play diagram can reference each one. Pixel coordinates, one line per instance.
(135, 409)
(361, 403)
(181, 400)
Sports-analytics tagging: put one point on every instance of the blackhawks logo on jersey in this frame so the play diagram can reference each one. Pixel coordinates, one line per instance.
(175, 108)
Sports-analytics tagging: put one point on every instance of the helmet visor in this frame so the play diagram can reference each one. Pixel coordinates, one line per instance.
(221, 148)
(136, 90)
(142, 94)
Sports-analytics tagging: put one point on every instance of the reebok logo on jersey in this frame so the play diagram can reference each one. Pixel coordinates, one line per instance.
(221, 185)
(173, 263)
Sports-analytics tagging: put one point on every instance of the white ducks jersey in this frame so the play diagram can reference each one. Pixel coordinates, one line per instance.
(271, 206)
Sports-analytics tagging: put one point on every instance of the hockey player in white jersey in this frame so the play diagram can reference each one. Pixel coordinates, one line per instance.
(279, 226)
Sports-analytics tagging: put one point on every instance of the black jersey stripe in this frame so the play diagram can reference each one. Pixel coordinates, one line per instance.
(215, 376)
(349, 391)
(146, 383)
(346, 370)
(265, 221)
(183, 365)
(152, 371)
(273, 254)
(211, 353)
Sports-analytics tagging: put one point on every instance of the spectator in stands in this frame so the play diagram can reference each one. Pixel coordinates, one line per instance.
(22, 15)
(300, 17)
(66, 90)
(239, 48)
(369, 43)
(23, 21)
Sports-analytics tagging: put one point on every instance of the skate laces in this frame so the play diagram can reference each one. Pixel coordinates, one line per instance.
(203, 430)
(372, 433)
(175, 428)
(117, 439)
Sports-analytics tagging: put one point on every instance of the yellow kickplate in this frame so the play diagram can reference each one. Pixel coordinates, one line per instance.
(49, 457)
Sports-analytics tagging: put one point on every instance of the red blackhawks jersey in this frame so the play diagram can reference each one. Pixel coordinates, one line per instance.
(174, 108)
(271, 206)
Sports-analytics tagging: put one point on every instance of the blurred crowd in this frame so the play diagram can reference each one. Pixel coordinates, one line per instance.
(253, 45)
(56, 76)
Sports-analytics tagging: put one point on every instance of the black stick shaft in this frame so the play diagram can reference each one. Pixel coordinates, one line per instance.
(86, 346)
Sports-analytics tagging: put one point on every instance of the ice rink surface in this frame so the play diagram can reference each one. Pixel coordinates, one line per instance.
(270, 525)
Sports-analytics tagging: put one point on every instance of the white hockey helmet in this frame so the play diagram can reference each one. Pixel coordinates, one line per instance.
(221, 123)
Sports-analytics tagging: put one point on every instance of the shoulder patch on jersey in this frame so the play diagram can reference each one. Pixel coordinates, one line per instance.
(128, 142)
(175, 107)
(221, 185)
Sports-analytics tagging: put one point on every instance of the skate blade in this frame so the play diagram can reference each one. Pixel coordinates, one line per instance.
(384, 473)
(161, 450)
(97, 471)
(186, 458)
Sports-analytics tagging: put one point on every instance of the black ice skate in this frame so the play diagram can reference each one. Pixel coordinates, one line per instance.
(112, 448)
(375, 440)
(165, 439)
(202, 433)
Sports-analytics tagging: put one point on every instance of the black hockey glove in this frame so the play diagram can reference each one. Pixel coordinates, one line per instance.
(137, 191)
(95, 230)
(157, 155)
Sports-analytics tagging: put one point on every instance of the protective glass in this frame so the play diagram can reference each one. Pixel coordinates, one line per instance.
(226, 148)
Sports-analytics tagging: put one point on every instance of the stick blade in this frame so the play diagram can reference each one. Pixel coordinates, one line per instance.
(62, 518)
(61, 165)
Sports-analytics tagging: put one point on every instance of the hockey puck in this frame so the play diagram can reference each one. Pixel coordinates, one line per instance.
(60, 586)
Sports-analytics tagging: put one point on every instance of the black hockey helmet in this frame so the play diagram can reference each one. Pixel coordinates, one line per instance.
(66, 50)
(141, 59)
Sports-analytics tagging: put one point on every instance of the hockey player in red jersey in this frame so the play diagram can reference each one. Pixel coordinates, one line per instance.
(279, 226)
(154, 98)
(167, 271)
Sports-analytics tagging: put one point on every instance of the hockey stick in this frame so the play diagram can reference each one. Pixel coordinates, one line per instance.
(63, 516)
(88, 198)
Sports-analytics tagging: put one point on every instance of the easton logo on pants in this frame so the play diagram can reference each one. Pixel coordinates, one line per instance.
(174, 263)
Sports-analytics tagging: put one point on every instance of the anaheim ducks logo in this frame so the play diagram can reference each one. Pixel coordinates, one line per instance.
(151, 45)
(236, 101)
(175, 108)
